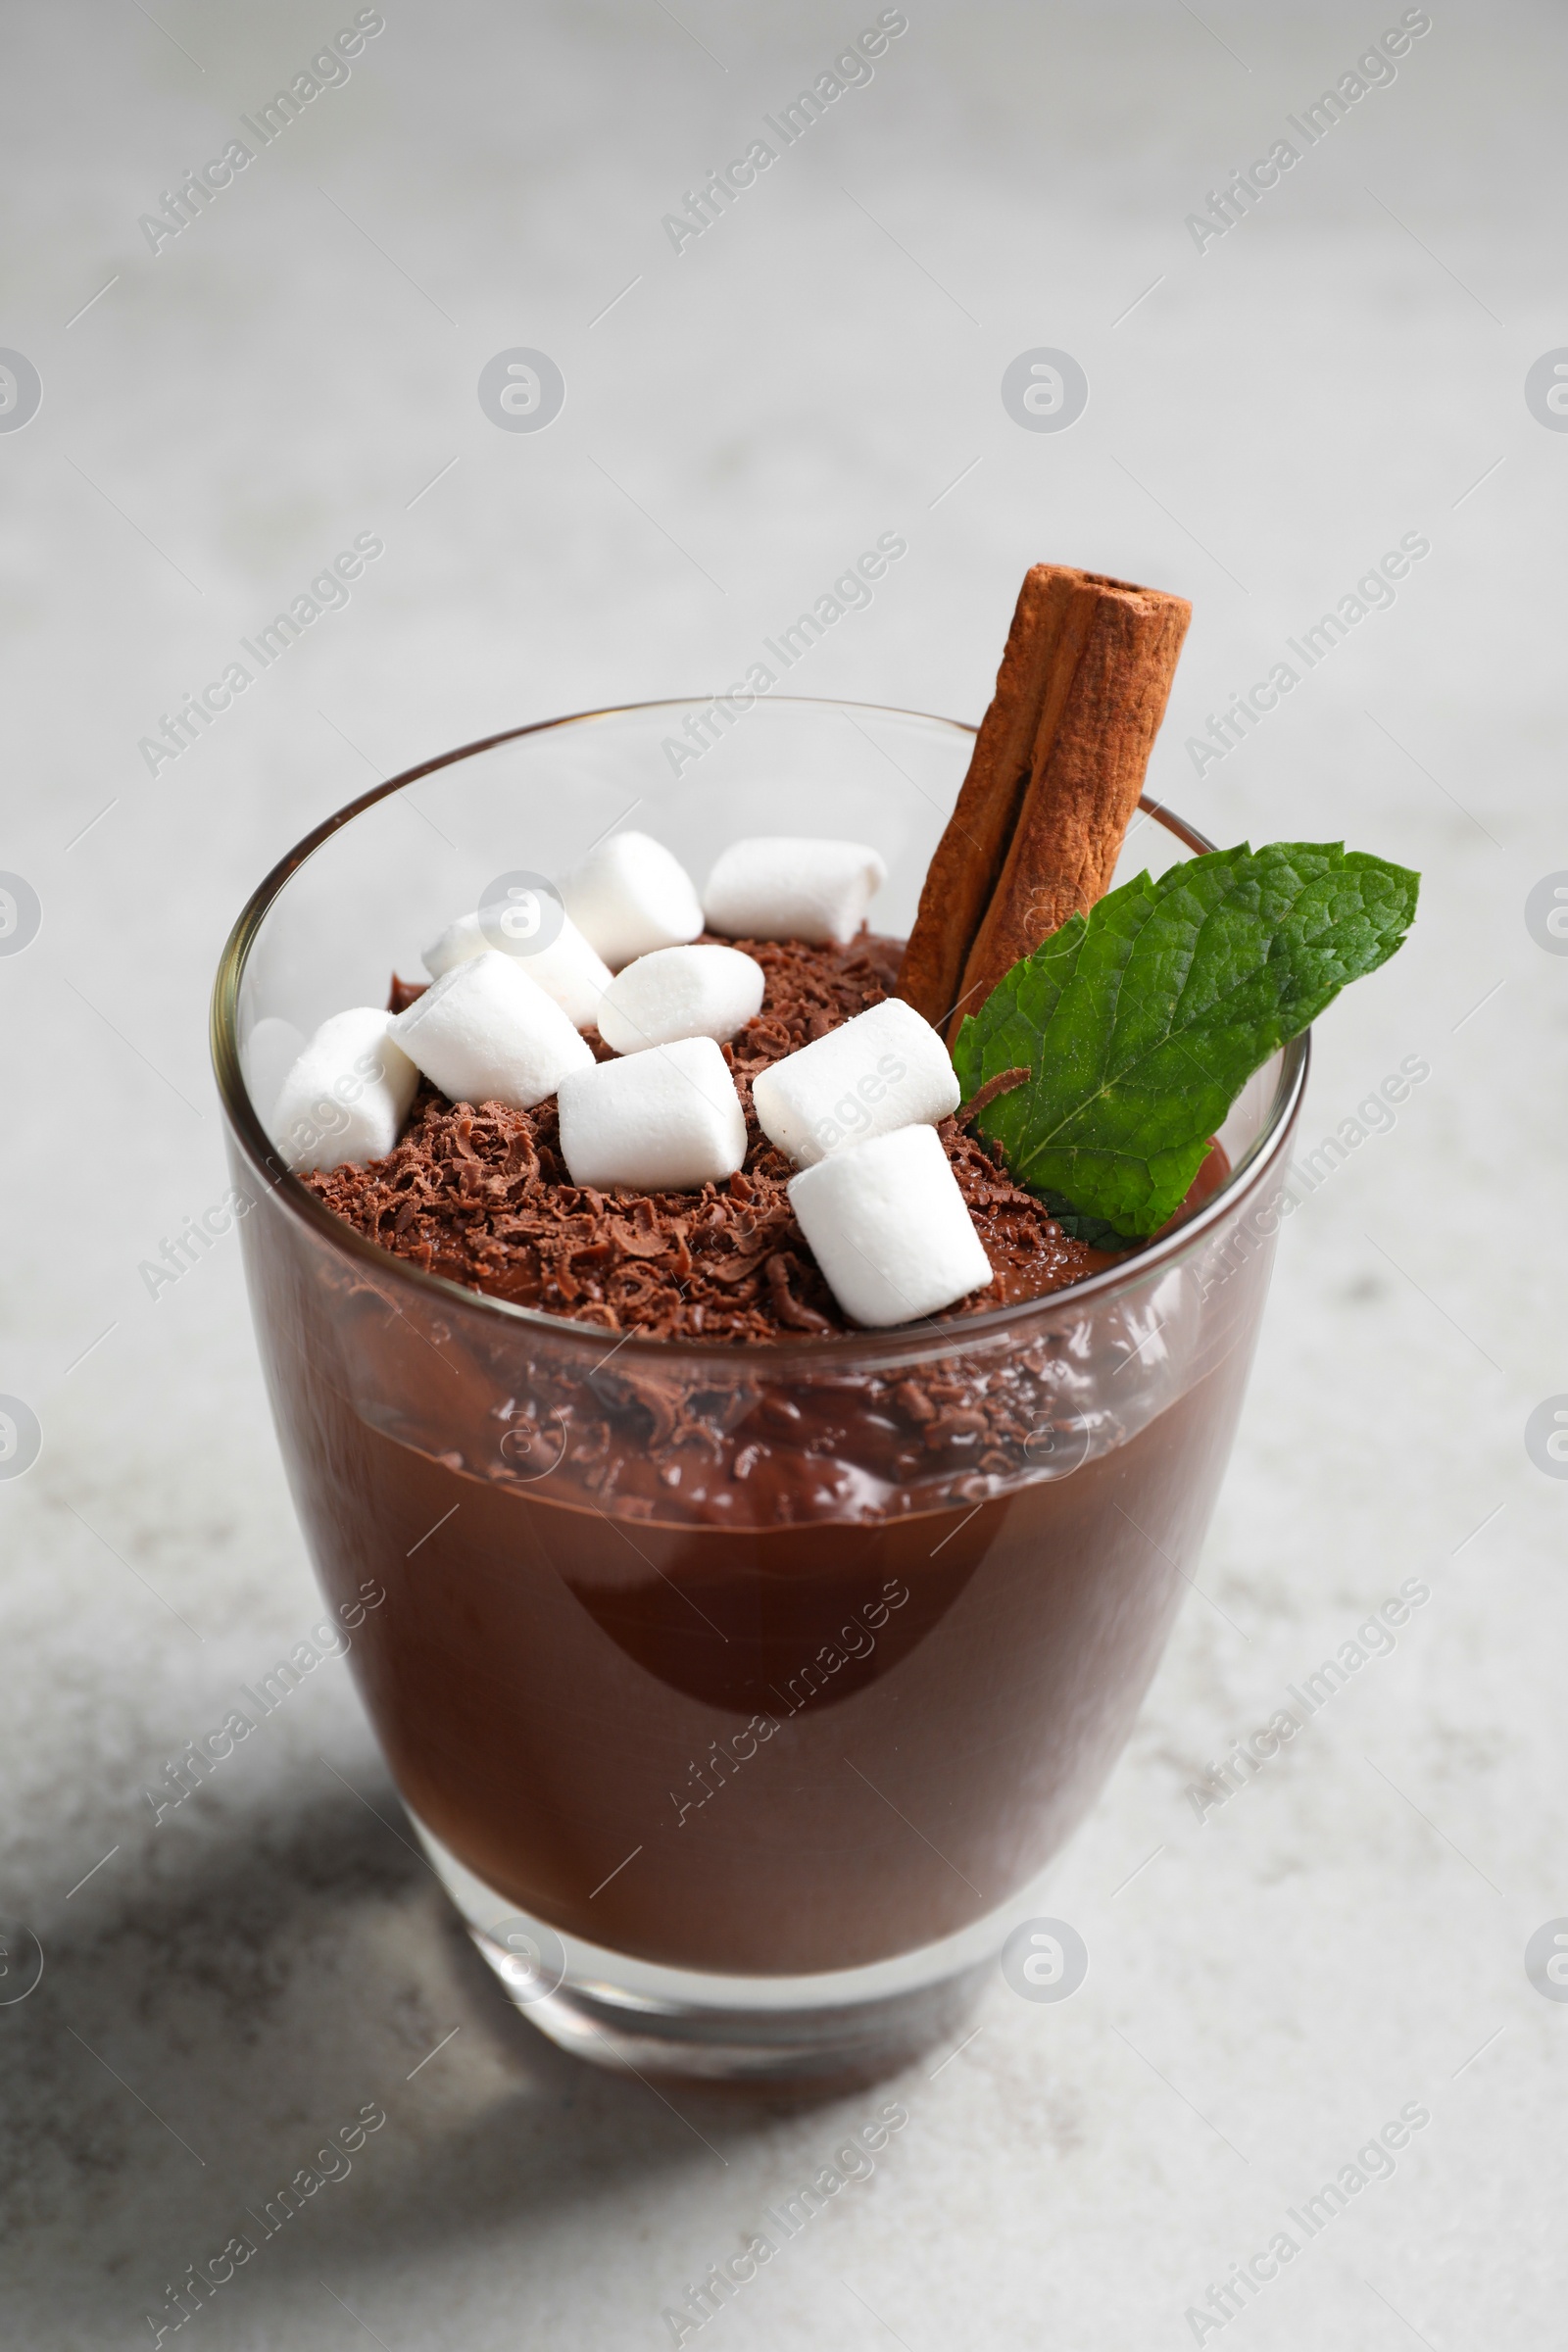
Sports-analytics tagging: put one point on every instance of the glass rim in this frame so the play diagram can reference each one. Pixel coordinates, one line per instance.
(836, 1346)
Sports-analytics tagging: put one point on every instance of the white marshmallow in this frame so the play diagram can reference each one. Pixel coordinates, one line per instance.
(665, 1122)
(890, 1229)
(887, 1068)
(347, 1095)
(680, 992)
(267, 1058)
(775, 887)
(484, 1032)
(566, 967)
(457, 943)
(629, 896)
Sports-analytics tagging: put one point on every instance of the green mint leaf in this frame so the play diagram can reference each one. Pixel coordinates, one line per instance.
(1140, 1024)
(1096, 1231)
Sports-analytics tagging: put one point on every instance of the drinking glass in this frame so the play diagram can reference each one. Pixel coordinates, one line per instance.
(750, 1781)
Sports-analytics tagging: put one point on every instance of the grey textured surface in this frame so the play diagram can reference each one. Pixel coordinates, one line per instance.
(1343, 1938)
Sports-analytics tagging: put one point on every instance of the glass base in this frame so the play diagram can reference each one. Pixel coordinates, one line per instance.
(852, 2025)
(836, 2044)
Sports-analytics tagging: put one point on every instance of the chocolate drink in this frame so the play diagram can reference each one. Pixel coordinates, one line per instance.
(823, 1743)
(748, 1646)
(760, 1658)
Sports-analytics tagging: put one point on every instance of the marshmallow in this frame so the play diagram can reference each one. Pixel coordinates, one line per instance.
(680, 992)
(885, 1069)
(787, 889)
(566, 966)
(665, 1122)
(484, 1032)
(267, 1058)
(347, 1095)
(890, 1229)
(629, 896)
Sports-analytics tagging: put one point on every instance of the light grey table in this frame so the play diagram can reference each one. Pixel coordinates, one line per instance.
(1269, 410)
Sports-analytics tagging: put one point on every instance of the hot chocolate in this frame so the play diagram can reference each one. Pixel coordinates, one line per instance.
(781, 1376)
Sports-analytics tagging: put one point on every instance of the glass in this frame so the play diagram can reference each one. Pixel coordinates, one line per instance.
(717, 1792)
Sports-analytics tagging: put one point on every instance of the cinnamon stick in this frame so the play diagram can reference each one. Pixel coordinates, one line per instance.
(1090, 659)
(969, 858)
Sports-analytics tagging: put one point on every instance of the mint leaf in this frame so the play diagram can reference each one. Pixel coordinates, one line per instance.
(1096, 1231)
(1140, 1024)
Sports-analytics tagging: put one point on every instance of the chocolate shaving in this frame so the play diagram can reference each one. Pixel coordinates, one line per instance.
(788, 1309)
(479, 1193)
(1001, 1084)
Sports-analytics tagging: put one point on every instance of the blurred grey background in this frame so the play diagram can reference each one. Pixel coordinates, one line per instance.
(1269, 410)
